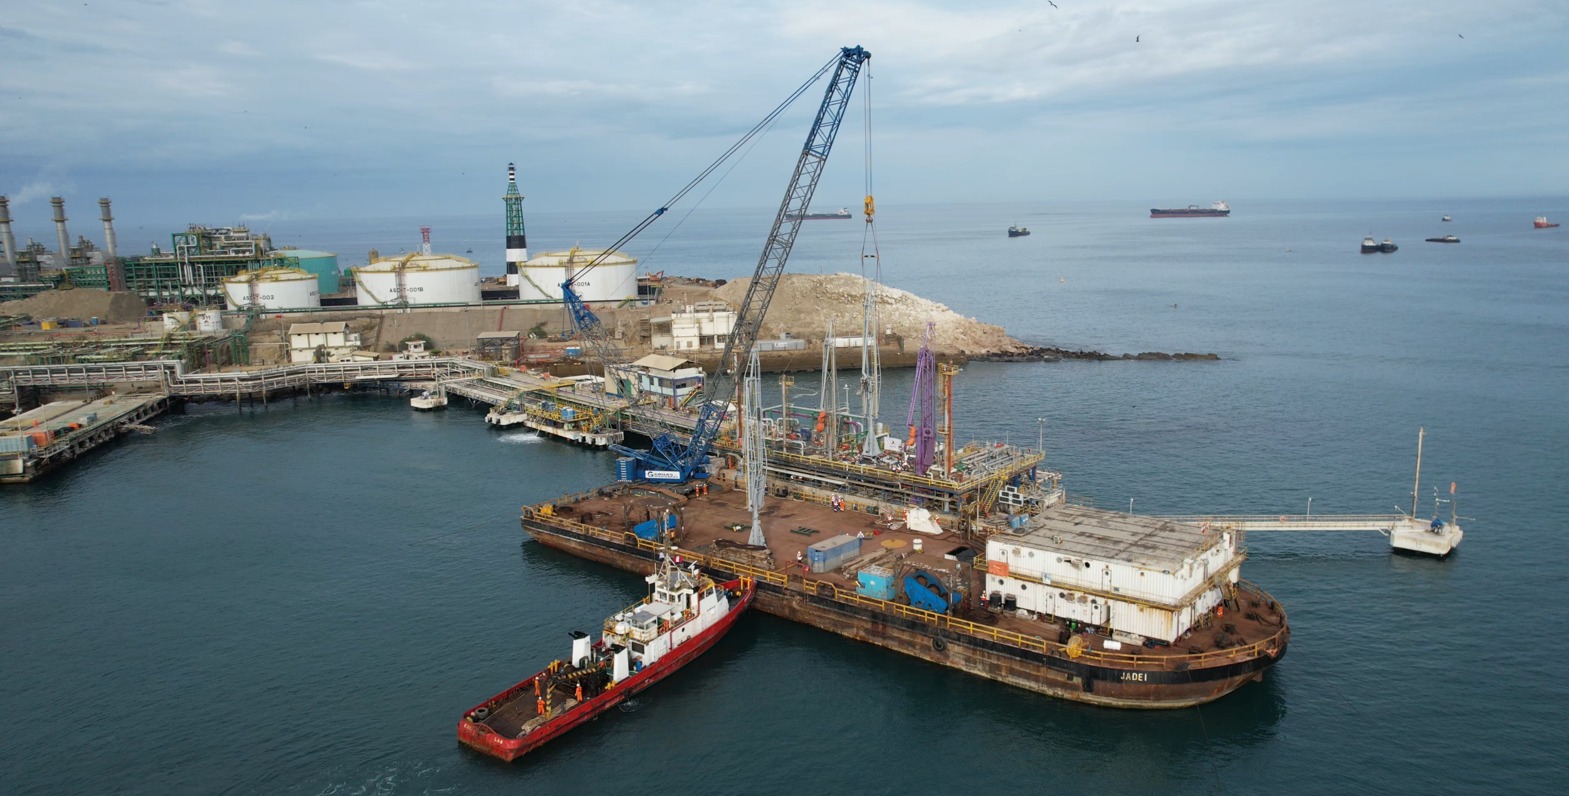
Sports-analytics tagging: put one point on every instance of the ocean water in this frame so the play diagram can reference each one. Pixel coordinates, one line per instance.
(304, 597)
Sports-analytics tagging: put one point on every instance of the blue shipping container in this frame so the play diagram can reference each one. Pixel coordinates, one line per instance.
(21, 444)
(830, 554)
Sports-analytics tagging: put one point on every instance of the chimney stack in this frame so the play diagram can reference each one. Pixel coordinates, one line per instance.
(59, 229)
(111, 256)
(8, 265)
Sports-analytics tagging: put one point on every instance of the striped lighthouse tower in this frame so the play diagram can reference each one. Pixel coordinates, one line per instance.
(517, 241)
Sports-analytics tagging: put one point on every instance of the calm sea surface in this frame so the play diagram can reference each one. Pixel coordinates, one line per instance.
(304, 597)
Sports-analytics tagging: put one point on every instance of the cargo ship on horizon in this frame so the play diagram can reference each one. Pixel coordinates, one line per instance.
(1216, 210)
(841, 213)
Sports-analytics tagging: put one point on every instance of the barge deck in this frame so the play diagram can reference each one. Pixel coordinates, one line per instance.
(1042, 653)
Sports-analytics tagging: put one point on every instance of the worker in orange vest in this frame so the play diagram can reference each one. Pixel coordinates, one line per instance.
(579, 692)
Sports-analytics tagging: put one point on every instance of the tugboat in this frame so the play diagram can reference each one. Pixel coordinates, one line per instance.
(1387, 246)
(1541, 222)
(684, 614)
(1370, 246)
(1445, 239)
(1018, 232)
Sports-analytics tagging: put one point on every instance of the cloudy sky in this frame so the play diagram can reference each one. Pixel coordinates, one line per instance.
(201, 110)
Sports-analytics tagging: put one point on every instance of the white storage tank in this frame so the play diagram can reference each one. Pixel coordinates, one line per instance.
(209, 321)
(273, 289)
(419, 279)
(174, 321)
(614, 279)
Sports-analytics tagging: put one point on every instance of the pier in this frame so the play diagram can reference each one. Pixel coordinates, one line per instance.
(153, 384)
(1405, 532)
(39, 440)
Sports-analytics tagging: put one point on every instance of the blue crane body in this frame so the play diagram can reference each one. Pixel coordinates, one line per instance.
(670, 459)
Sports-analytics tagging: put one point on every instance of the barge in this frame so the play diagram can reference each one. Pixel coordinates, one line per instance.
(1065, 600)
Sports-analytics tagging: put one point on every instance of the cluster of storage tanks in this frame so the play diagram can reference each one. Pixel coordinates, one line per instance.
(429, 279)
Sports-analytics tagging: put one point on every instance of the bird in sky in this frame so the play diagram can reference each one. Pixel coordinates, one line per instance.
(1461, 35)
(1136, 38)
(1048, 2)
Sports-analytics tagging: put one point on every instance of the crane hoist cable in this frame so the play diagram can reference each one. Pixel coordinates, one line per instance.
(871, 322)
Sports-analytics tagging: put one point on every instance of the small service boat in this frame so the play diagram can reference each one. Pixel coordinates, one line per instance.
(1445, 239)
(1541, 222)
(435, 398)
(1370, 245)
(1018, 232)
(684, 614)
(1446, 218)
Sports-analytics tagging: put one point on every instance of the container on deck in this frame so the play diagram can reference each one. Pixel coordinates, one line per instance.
(875, 582)
(574, 351)
(830, 554)
(16, 444)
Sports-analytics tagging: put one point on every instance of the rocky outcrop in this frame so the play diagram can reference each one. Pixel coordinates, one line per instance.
(1047, 354)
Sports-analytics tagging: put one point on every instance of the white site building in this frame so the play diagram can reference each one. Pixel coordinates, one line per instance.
(704, 325)
(1136, 577)
(329, 341)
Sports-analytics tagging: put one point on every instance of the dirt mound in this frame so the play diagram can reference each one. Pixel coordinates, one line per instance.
(81, 303)
(805, 303)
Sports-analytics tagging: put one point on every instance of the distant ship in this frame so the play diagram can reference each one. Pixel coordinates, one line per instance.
(1216, 210)
(1446, 218)
(844, 212)
(1370, 246)
(1541, 222)
(1018, 232)
(1387, 246)
(1445, 239)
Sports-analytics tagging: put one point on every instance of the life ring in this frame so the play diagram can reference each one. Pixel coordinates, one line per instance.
(939, 644)
(1283, 518)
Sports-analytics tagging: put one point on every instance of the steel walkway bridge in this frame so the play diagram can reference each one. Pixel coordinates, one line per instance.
(1405, 532)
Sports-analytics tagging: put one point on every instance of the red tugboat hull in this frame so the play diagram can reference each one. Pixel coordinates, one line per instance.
(484, 739)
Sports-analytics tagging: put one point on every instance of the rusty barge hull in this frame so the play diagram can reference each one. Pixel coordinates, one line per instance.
(1040, 671)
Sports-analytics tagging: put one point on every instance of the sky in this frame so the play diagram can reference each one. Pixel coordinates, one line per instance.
(202, 111)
